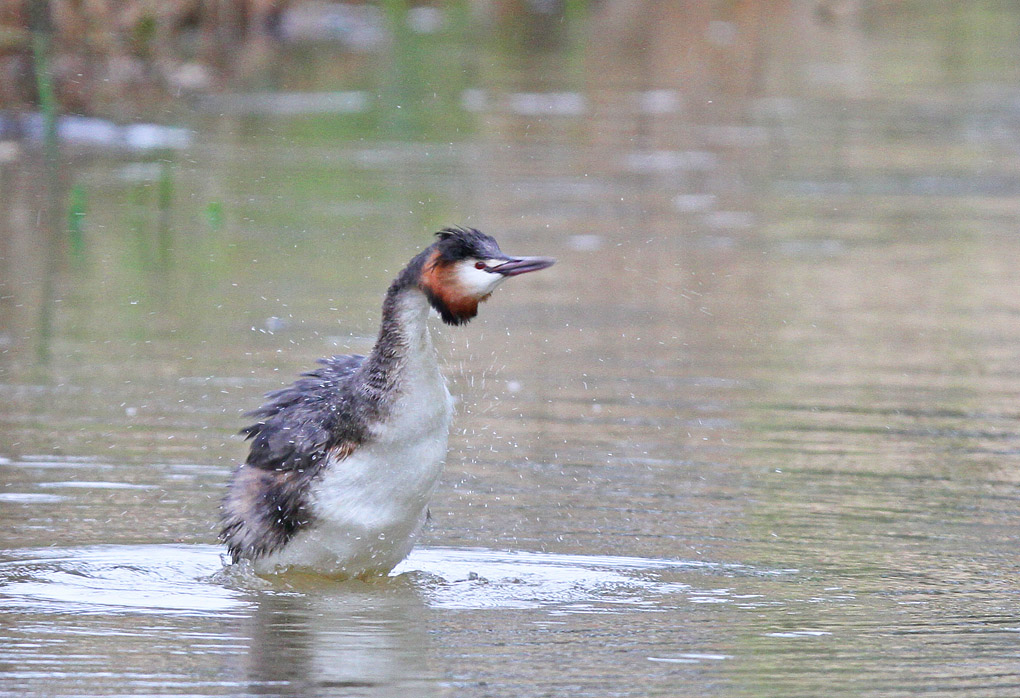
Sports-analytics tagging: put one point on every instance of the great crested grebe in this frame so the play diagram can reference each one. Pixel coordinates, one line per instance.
(343, 462)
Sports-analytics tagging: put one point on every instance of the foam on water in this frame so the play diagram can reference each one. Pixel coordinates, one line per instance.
(192, 579)
(479, 578)
(111, 578)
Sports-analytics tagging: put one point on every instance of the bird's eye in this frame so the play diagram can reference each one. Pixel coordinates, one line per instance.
(479, 265)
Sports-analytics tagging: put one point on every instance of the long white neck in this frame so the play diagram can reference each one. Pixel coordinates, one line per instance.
(411, 323)
(404, 369)
(404, 350)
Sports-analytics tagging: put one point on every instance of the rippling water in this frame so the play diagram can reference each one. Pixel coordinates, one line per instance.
(755, 434)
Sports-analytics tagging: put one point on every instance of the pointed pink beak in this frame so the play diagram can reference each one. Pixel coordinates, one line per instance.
(522, 265)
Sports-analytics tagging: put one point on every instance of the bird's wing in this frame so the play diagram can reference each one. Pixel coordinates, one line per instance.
(300, 423)
(298, 429)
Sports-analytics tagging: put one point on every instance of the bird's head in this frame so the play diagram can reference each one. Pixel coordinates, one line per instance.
(463, 267)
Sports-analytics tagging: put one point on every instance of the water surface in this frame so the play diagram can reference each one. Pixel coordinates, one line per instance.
(755, 434)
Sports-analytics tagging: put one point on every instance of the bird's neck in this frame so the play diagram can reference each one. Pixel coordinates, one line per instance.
(404, 341)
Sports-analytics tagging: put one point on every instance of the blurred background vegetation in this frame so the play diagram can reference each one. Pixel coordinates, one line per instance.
(127, 57)
(131, 57)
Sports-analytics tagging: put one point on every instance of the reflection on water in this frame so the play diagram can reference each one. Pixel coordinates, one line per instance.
(351, 642)
(780, 345)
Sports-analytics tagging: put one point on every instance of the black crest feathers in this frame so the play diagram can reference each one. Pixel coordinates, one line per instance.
(458, 243)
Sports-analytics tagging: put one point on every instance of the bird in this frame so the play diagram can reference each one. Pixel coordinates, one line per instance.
(343, 462)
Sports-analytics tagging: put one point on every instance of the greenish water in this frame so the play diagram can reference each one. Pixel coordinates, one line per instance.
(755, 434)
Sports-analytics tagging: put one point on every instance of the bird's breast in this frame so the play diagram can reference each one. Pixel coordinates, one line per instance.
(386, 482)
(421, 407)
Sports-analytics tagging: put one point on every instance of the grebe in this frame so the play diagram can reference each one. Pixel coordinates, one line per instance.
(343, 462)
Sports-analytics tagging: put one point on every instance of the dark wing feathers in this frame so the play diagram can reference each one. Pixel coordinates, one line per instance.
(297, 428)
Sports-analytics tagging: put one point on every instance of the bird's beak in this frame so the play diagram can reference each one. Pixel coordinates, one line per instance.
(522, 265)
